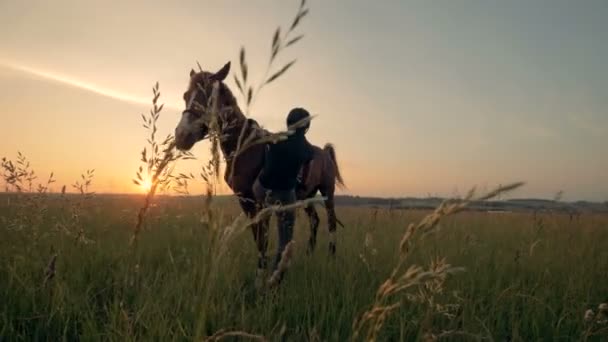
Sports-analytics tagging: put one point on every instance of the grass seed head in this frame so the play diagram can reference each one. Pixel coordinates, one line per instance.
(589, 316)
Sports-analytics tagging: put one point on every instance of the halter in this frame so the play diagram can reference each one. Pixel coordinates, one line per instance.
(191, 100)
(205, 114)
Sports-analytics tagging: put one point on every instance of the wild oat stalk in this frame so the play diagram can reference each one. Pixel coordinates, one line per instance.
(180, 183)
(84, 195)
(159, 159)
(403, 279)
(280, 41)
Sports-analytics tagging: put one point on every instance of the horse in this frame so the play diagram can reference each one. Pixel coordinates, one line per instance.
(322, 173)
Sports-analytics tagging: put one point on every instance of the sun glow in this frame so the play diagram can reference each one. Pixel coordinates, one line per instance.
(146, 185)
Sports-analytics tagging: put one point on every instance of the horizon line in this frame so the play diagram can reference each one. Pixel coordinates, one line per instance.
(337, 195)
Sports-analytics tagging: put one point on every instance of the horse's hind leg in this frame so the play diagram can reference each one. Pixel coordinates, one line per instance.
(328, 193)
(313, 218)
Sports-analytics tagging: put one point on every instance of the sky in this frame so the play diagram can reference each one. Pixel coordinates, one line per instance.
(419, 97)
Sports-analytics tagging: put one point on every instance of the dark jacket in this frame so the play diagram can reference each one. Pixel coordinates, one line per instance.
(283, 162)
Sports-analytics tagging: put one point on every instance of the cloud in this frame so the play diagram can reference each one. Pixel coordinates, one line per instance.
(71, 81)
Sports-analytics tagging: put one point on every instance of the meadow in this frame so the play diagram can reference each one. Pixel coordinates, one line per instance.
(68, 272)
(80, 266)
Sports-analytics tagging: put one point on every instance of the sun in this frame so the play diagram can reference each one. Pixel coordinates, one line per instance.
(146, 185)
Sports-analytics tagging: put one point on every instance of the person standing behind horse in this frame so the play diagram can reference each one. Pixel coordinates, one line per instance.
(277, 181)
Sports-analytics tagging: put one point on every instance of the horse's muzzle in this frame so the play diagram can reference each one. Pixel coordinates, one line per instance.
(184, 141)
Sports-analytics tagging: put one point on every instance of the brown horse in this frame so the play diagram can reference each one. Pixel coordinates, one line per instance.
(322, 173)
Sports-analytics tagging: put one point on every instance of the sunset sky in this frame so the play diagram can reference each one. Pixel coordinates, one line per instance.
(419, 97)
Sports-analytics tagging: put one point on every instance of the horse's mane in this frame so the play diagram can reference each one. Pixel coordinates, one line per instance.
(225, 94)
(228, 99)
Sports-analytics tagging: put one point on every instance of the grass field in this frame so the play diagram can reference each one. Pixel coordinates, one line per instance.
(68, 269)
(84, 267)
(527, 277)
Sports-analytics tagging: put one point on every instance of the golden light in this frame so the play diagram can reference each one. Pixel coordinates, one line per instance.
(146, 185)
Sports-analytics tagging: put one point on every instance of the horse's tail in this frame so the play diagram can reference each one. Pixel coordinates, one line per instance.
(329, 148)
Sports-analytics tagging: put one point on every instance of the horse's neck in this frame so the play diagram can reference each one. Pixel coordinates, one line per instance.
(232, 132)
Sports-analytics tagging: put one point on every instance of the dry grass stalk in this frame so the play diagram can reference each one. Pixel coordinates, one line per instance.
(242, 222)
(30, 202)
(71, 224)
(431, 337)
(369, 250)
(286, 257)
(19, 176)
(402, 279)
(222, 334)
(269, 210)
(31, 209)
(207, 175)
(596, 323)
(49, 272)
(220, 240)
(82, 187)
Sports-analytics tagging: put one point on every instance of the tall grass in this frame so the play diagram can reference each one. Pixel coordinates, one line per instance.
(428, 282)
(161, 290)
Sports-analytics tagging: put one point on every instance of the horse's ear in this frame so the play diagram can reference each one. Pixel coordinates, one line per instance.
(222, 73)
(192, 73)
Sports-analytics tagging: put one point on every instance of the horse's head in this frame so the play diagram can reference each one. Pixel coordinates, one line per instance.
(194, 126)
